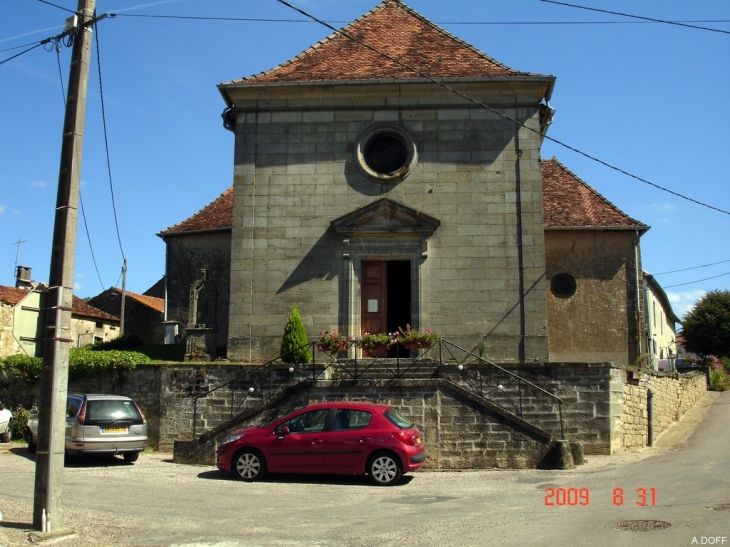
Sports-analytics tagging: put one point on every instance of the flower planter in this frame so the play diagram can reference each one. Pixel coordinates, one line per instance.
(416, 345)
(377, 351)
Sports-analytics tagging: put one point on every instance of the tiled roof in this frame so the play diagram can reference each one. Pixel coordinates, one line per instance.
(397, 30)
(216, 216)
(157, 304)
(568, 202)
(11, 295)
(82, 308)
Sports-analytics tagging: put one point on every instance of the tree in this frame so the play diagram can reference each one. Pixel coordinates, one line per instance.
(294, 344)
(706, 328)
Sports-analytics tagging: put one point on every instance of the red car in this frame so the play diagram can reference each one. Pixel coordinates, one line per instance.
(337, 438)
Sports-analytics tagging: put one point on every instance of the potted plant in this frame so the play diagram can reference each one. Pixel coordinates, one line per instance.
(378, 344)
(412, 339)
(333, 342)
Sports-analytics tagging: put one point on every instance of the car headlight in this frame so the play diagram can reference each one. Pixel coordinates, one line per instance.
(233, 437)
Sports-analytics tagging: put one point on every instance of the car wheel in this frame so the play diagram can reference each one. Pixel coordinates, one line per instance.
(384, 468)
(32, 446)
(130, 457)
(249, 465)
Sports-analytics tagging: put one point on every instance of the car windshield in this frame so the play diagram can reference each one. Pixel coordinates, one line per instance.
(112, 411)
(397, 419)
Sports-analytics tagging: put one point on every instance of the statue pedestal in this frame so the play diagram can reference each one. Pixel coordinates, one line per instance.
(199, 343)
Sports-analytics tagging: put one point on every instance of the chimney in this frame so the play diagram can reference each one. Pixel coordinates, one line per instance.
(22, 278)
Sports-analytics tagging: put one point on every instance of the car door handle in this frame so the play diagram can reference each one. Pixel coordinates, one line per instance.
(316, 441)
(364, 440)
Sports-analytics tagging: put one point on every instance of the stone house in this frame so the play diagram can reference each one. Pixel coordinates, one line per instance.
(660, 334)
(22, 321)
(143, 314)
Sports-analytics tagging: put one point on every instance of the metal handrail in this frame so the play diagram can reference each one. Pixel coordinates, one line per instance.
(398, 374)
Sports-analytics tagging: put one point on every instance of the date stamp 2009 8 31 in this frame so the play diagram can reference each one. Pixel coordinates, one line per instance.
(558, 497)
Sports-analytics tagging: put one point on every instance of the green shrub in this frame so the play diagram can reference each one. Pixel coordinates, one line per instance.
(82, 362)
(87, 362)
(719, 381)
(21, 415)
(23, 366)
(124, 342)
(294, 344)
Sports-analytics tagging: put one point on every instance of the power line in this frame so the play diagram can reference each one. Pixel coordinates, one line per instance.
(266, 20)
(55, 6)
(494, 111)
(697, 281)
(636, 17)
(88, 238)
(21, 53)
(692, 268)
(106, 139)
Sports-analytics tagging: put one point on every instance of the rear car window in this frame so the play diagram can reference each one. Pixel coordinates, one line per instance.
(397, 419)
(111, 411)
(351, 419)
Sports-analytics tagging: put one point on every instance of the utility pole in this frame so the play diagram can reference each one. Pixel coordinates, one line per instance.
(57, 337)
(124, 298)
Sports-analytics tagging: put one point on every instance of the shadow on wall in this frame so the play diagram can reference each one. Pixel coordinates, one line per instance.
(318, 263)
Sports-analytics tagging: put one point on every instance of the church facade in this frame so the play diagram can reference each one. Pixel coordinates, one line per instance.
(371, 194)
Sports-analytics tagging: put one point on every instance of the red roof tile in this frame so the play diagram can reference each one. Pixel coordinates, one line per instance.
(157, 304)
(216, 216)
(568, 202)
(82, 308)
(11, 295)
(397, 30)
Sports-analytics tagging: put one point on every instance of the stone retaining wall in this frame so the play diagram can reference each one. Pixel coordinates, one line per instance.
(673, 395)
(604, 407)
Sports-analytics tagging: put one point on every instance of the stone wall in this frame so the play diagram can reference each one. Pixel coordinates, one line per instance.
(598, 322)
(481, 273)
(602, 407)
(673, 395)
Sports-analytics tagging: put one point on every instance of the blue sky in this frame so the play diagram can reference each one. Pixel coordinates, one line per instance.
(649, 98)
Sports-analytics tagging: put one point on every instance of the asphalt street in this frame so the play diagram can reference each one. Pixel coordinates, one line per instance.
(677, 493)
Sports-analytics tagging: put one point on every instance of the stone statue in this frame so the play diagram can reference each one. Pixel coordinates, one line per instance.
(195, 289)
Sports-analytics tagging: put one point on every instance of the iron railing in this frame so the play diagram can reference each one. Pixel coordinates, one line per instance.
(441, 360)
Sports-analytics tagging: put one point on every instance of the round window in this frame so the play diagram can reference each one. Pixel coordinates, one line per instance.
(385, 152)
(563, 285)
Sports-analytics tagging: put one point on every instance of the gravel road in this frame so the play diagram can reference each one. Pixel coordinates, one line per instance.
(156, 502)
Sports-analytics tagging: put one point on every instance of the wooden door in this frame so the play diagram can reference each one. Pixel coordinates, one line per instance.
(374, 302)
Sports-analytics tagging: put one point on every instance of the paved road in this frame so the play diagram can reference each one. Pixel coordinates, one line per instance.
(156, 502)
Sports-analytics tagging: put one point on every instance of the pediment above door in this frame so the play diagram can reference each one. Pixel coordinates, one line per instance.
(385, 218)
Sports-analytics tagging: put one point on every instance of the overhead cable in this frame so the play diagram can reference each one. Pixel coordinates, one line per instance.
(266, 20)
(692, 268)
(106, 139)
(636, 17)
(494, 111)
(697, 281)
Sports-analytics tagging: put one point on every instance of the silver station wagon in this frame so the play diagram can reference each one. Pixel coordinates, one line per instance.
(99, 424)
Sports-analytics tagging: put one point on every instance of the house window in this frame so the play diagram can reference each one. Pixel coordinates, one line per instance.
(385, 152)
(563, 285)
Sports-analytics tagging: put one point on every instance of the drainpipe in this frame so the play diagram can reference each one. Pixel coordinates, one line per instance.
(650, 416)
(639, 333)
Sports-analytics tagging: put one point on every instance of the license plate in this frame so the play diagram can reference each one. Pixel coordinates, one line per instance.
(114, 430)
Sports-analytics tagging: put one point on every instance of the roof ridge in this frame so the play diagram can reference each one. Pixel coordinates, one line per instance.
(360, 27)
(200, 212)
(455, 38)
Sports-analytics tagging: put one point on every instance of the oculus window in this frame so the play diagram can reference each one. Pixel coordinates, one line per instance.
(563, 285)
(385, 152)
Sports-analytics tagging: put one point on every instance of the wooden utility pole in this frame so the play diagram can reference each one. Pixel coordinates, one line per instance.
(57, 336)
